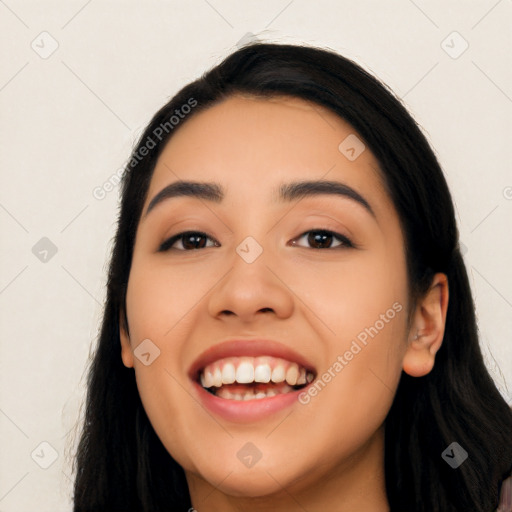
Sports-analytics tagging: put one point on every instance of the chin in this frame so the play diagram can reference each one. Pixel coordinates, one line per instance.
(249, 483)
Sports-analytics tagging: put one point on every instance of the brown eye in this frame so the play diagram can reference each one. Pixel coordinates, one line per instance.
(190, 240)
(323, 239)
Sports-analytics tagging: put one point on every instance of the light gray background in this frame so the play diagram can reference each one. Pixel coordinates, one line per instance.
(69, 122)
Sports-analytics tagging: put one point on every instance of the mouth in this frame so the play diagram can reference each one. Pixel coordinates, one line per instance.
(247, 378)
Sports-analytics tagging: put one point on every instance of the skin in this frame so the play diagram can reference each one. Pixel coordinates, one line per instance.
(329, 453)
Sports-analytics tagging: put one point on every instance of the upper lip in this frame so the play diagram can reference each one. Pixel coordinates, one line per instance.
(250, 348)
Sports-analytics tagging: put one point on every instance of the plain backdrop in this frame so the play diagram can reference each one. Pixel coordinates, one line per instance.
(78, 82)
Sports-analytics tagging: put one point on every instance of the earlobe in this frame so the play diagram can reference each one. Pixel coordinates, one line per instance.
(126, 348)
(427, 330)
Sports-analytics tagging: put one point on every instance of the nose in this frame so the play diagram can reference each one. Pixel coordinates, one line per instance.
(248, 291)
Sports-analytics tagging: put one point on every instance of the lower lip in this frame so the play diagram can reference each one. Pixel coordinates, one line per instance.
(246, 411)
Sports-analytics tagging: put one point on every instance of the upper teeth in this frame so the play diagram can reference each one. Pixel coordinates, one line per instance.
(245, 370)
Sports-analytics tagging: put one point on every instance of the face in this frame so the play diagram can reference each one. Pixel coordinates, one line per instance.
(287, 303)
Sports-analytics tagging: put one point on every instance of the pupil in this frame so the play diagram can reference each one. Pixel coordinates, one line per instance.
(320, 237)
(194, 244)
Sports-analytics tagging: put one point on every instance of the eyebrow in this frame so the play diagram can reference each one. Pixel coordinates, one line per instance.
(287, 192)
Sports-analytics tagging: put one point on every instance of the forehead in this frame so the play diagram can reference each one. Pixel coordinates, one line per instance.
(252, 145)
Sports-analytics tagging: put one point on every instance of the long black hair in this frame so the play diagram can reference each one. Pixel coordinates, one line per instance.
(121, 465)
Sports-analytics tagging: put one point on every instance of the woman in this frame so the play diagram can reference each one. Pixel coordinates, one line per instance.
(289, 323)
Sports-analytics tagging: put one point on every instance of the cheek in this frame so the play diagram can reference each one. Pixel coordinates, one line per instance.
(363, 304)
(357, 385)
(161, 300)
(351, 295)
(160, 296)
(170, 410)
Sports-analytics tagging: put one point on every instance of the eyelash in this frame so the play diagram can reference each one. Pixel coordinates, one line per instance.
(345, 242)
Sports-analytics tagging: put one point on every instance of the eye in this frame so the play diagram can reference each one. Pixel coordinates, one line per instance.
(323, 239)
(190, 240)
(317, 238)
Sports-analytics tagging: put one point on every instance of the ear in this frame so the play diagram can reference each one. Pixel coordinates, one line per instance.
(126, 347)
(427, 328)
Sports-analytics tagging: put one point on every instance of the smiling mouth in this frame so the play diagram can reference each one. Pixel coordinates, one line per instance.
(253, 378)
